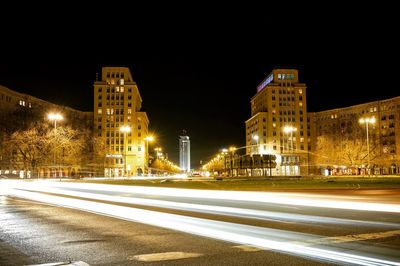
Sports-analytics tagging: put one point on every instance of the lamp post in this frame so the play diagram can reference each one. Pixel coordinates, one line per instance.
(125, 129)
(256, 138)
(232, 150)
(147, 139)
(55, 117)
(290, 129)
(367, 121)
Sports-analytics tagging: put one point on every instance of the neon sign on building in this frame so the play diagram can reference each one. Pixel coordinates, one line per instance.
(266, 81)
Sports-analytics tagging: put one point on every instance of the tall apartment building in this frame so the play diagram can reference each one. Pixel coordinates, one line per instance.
(340, 140)
(117, 103)
(184, 153)
(278, 123)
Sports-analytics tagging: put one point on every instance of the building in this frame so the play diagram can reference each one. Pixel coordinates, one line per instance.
(278, 123)
(117, 103)
(19, 111)
(184, 152)
(340, 141)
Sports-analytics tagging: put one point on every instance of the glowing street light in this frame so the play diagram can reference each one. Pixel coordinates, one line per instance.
(147, 139)
(256, 138)
(367, 121)
(55, 117)
(125, 129)
(290, 129)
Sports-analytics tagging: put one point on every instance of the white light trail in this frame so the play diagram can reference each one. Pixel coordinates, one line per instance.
(237, 233)
(294, 199)
(203, 208)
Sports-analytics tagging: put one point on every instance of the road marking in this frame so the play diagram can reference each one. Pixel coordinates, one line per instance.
(247, 248)
(72, 263)
(165, 256)
(359, 237)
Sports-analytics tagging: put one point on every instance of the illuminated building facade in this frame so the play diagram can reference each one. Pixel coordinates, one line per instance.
(340, 140)
(184, 153)
(117, 103)
(20, 111)
(278, 123)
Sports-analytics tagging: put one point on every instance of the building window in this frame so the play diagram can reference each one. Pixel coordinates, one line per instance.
(139, 148)
(99, 90)
(99, 111)
(129, 148)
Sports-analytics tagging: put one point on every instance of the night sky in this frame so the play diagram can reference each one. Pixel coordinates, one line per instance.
(198, 71)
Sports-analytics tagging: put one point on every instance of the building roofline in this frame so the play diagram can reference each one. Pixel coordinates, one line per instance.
(24, 95)
(357, 105)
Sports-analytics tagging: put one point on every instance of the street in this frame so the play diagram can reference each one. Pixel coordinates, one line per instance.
(128, 225)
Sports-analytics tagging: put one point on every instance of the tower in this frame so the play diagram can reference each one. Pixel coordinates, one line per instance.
(184, 151)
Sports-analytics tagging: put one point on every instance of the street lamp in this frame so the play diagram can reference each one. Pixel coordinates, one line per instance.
(147, 139)
(158, 151)
(367, 121)
(55, 117)
(125, 129)
(290, 129)
(256, 138)
(232, 150)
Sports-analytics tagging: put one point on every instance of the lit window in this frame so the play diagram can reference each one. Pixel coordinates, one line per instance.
(300, 104)
(300, 91)
(279, 76)
(99, 111)
(129, 111)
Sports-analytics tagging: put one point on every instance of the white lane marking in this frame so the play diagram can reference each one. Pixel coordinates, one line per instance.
(72, 263)
(359, 237)
(165, 256)
(247, 248)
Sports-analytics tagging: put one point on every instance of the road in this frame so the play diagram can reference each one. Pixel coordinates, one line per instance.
(127, 225)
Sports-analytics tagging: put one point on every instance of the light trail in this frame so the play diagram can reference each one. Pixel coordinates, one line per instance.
(293, 199)
(265, 238)
(203, 208)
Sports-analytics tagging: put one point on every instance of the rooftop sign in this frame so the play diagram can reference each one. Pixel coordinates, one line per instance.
(266, 81)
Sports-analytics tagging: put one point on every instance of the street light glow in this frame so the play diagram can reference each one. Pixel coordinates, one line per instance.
(288, 129)
(125, 129)
(149, 138)
(55, 116)
(367, 120)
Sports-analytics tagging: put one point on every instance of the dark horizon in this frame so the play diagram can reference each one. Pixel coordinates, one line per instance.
(201, 76)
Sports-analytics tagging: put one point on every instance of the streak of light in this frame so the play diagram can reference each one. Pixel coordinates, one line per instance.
(210, 209)
(294, 199)
(243, 234)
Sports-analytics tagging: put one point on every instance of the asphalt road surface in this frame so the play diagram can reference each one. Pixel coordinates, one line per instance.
(44, 222)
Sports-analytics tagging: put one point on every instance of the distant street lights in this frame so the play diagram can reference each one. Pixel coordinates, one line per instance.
(125, 129)
(256, 138)
(54, 117)
(147, 139)
(367, 121)
(290, 129)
